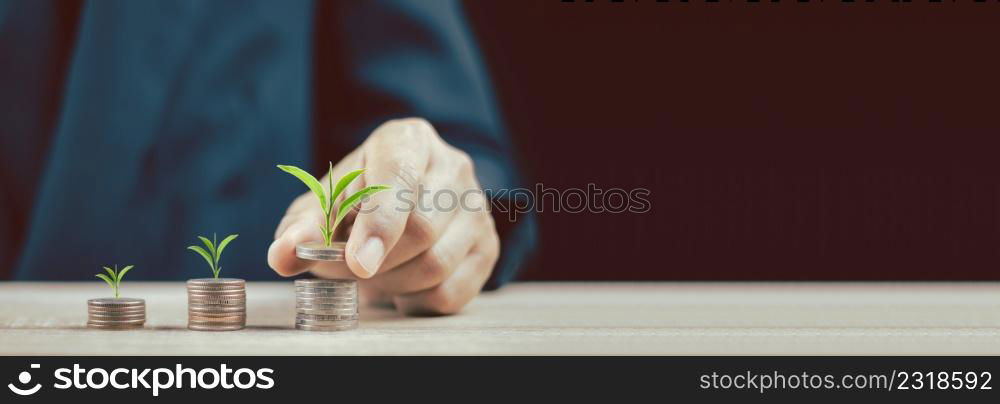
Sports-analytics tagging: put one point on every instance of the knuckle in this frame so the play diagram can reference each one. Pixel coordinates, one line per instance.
(405, 173)
(415, 128)
(420, 229)
(420, 124)
(464, 161)
(433, 266)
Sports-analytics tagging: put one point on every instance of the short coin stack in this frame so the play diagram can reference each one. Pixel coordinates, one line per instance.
(317, 251)
(116, 313)
(217, 304)
(326, 304)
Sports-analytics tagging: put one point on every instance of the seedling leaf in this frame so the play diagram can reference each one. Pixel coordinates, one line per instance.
(355, 199)
(327, 204)
(204, 254)
(208, 243)
(310, 181)
(344, 182)
(222, 246)
(111, 272)
(122, 273)
(107, 279)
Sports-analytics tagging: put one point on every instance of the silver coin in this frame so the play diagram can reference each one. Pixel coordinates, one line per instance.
(341, 298)
(327, 300)
(316, 251)
(345, 290)
(217, 300)
(219, 317)
(116, 302)
(327, 305)
(116, 308)
(327, 312)
(114, 326)
(216, 282)
(242, 321)
(320, 301)
(327, 284)
(345, 327)
(319, 283)
(230, 294)
(209, 304)
(117, 312)
(206, 322)
(331, 299)
(310, 296)
(196, 286)
(105, 316)
(116, 322)
(228, 327)
(202, 314)
(326, 317)
(352, 291)
(344, 324)
(216, 309)
(217, 295)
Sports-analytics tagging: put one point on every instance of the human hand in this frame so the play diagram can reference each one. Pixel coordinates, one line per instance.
(425, 259)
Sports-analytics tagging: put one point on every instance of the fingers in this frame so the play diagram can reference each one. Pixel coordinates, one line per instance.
(397, 154)
(455, 292)
(281, 255)
(434, 210)
(436, 264)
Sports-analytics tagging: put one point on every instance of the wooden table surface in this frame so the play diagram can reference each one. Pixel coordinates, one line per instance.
(540, 318)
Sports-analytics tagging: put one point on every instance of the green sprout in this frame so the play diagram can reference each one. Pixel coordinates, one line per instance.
(327, 204)
(213, 253)
(114, 277)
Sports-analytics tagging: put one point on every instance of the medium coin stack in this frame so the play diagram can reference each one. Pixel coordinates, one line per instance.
(326, 304)
(217, 304)
(116, 313)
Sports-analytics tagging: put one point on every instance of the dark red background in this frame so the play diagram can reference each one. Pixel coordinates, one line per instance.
(780, 141)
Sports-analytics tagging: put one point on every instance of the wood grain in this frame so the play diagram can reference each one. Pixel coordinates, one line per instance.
(541, 318)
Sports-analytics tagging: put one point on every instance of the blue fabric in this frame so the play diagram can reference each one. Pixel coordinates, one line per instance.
(174, 114)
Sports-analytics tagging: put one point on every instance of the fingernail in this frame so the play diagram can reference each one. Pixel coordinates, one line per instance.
(370, 255)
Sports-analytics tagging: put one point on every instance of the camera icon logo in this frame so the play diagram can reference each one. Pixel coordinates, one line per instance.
(24, 378)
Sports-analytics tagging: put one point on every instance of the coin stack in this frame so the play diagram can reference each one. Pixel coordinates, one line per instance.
(317, 251)
(326, 304)
(116, 313)
(217, 304)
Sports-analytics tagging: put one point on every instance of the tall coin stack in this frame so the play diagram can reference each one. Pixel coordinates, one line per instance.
(326, 304)
(217, 304)
(116, 313)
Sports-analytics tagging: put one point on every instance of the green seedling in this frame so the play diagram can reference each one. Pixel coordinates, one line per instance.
(114, 277)
(213, 253)
(327, 203)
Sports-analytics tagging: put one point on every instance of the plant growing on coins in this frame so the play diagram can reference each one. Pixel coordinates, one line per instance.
(327, 203)
(214, 251)
(114, 277)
